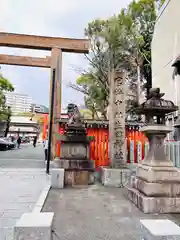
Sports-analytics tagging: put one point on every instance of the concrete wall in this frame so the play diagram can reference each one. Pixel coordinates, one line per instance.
(165, 48)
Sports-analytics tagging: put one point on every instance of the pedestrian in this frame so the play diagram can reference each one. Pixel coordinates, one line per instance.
(19, 141)
(35, 141)
(46, 148)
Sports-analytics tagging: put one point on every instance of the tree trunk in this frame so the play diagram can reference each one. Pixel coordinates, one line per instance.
(138, 84)
(7, 127)
(104, 114)
(93, 114)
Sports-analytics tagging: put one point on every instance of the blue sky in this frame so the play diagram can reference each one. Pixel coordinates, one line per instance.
(60, 18)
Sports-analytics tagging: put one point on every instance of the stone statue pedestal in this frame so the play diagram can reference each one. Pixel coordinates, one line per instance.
(156, 186)
(74, 159)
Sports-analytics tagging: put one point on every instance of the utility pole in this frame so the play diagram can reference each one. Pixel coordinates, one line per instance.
(51, 121)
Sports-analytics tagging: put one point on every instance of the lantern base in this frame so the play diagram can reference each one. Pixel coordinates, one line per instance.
(153, 204)
(155, 189)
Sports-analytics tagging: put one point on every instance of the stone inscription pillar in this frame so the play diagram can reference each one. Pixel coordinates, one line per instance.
(117, 119)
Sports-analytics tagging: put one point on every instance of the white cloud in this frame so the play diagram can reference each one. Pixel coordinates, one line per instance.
(66, 18)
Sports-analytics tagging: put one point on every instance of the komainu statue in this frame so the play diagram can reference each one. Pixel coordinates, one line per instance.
(73, 114)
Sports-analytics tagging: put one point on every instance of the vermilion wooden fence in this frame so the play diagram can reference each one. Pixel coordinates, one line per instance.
(99, 146)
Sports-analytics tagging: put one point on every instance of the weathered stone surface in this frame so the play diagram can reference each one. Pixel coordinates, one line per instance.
(74, 157)
(71, 150)
(165, 189)
(73, 178)
(73, 164)
(81, 178)
(112, 177)
(155, 189)
(34, 226)
(117, 119)
(156, 156)
(57, 178)
(153, 204)
(69, 178)
(158, 174)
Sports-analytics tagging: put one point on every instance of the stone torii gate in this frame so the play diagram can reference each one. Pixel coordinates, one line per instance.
(54, 44)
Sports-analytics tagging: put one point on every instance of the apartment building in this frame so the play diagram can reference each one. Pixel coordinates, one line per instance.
(37, 108)
(18, 102)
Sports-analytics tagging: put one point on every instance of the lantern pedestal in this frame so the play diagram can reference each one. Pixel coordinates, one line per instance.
(155, 189)
(156, 186)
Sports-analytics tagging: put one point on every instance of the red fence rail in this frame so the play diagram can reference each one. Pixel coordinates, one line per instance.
(99, 146)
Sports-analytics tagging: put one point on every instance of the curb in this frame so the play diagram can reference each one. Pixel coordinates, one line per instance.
(40, 203)
(36, 223)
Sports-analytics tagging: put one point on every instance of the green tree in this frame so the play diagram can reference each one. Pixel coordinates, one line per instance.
(159, 3)
(86, 114)
(121, 42)
(143, 15)
(5, 86)
(93, 95)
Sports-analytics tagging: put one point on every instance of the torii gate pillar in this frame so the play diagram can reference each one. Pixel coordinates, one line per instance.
(56, 56)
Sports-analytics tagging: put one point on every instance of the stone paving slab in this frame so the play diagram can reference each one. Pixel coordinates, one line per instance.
(20, 190)
(98, 213)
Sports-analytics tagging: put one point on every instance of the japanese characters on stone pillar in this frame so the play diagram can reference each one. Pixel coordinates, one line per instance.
(110, 116)
(117, 121)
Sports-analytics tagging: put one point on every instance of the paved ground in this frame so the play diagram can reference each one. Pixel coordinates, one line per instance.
(22, 178)
(25, 157)
(97, 213)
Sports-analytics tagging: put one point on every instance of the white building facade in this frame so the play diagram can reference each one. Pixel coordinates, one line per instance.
(39, 108)
(165, 49)
(18, 102)
(23, 126)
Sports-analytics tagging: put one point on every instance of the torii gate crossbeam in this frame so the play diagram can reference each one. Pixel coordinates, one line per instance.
(43, 43)
(25, 61)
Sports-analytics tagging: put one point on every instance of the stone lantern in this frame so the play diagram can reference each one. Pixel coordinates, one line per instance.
(74, 158)
(156, 186)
